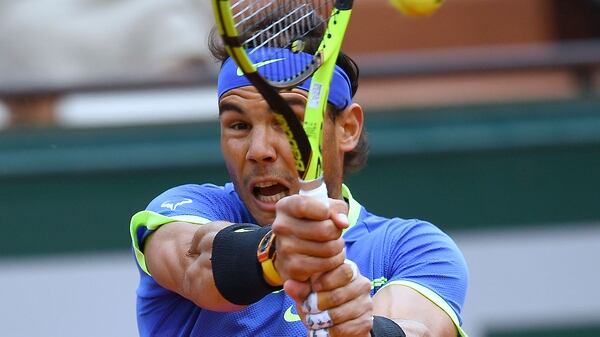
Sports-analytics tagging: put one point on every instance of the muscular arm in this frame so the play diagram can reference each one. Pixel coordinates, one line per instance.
(178, 256)
(416, 315)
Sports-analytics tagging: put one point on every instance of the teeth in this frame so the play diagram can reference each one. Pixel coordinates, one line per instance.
(265, 184)
(271, 198)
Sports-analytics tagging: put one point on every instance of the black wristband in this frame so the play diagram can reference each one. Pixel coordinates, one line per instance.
(385, 327)
(237, 273)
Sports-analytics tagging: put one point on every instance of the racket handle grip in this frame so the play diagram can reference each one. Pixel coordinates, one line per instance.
(315, 189)
(318, 190)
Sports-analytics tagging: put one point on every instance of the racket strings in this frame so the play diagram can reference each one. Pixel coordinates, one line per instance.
(284, 31)
(265, 26)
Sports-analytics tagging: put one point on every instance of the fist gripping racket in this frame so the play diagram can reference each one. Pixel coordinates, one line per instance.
(273, 44)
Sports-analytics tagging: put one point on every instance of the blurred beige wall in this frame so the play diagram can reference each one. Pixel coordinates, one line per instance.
(70, 41)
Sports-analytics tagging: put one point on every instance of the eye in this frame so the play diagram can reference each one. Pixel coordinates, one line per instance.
(239, 126)
(276, 125)
(233, 122)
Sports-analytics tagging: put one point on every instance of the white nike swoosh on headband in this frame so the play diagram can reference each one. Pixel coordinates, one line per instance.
(258, 65)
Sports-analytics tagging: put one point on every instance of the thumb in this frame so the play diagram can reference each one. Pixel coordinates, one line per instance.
(297, 290)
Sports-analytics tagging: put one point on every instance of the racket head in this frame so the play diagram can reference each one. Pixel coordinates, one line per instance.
(266, 27)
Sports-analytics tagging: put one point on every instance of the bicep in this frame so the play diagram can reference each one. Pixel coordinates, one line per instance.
(178, 256)
(416, 314)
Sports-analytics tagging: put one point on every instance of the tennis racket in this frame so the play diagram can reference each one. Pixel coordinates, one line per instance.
(289, 26)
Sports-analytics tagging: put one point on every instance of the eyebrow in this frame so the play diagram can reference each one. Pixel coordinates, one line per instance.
(228, 106)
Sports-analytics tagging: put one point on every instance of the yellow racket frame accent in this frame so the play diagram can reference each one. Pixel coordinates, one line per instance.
(316, 105)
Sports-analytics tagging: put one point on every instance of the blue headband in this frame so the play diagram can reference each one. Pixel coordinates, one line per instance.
(340, 94)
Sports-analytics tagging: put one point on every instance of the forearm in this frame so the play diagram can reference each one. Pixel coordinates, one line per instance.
(199, 279)
(179, 255)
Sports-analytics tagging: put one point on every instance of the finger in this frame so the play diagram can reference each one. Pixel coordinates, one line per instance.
(312, 230)
(302, 267)
(303, 207)
(351, 310)
(340, 296)
(340, 220)
(337, 277)
(319, 301)
(296, 290)
(356, 309)
(353, 267)
(289, 245)
(338, 206)
(358, 327)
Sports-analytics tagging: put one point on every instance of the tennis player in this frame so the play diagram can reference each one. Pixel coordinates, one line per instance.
(254, 258)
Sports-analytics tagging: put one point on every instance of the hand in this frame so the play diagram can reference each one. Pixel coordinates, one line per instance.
(343, 295)
(308, 236)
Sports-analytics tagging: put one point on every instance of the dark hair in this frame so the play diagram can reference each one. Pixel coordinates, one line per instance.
(353, 160)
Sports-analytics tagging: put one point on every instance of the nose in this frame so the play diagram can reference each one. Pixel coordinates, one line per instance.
(262, 145)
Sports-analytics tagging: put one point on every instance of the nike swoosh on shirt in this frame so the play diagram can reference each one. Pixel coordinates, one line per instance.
(258, 65)
(289, 316)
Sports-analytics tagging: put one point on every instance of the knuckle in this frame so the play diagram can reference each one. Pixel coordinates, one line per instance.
(348, 273)
(339, 206)
(297, 271)
(364, 284)
(300, 203)
(280, 225)
(340, 258)
(365, 324)
(331, 229)
(276, 226)
(283, 248)
(367, 305)
(331, 248)
(283, 203)
(332, 262)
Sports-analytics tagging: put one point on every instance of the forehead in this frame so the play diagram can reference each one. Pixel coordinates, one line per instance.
(249, 94)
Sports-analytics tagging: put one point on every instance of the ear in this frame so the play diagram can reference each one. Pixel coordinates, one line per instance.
(349, 125)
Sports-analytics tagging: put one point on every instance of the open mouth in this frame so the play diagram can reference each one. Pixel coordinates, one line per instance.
(270, 192)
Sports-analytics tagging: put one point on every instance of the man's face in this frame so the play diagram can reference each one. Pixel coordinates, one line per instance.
(256, 150)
